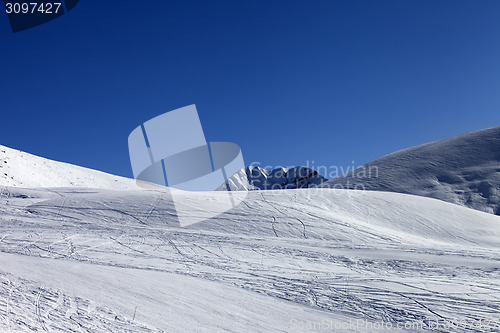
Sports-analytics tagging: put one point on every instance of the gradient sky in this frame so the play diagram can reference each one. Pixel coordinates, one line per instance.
(289, 81)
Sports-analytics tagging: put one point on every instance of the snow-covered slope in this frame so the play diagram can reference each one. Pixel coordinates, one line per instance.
(257, 178)
(282, 261)
(464, 170)
(20, 169)
(86, 259)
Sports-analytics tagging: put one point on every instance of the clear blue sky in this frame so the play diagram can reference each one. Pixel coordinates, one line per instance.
(289, 81)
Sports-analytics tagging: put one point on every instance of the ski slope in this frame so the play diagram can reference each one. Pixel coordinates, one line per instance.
(81, 259)
(20, 169)
(464, 170)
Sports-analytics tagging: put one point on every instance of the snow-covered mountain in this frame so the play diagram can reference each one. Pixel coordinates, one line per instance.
(20, 169)
(464, 170)
(257, 178)
(117, 260)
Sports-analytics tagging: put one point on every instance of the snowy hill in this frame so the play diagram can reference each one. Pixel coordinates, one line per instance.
(84, 259)
(464, 170)
(20, 169)
(257, 178)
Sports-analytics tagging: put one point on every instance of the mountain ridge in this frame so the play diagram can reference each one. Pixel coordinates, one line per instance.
(21, 169)
(464, 170)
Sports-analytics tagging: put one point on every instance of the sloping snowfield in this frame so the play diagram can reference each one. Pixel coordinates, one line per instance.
(464, 170)
(82, 260)
(21, 169)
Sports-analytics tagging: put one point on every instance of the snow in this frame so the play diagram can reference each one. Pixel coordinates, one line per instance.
(82, 256)
(464, 170)
(82, 259)
(20, 169)
(257, 178)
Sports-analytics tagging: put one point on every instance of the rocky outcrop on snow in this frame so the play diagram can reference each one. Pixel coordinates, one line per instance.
(277, 179)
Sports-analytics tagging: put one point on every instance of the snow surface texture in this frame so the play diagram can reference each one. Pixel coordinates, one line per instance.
(20, 169)
(81, 260)
(464, 170)
(257, 178)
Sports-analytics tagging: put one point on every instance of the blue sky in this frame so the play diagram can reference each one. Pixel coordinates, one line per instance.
(289, 81)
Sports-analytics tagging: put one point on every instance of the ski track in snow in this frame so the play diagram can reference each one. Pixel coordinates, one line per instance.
(80, 261)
